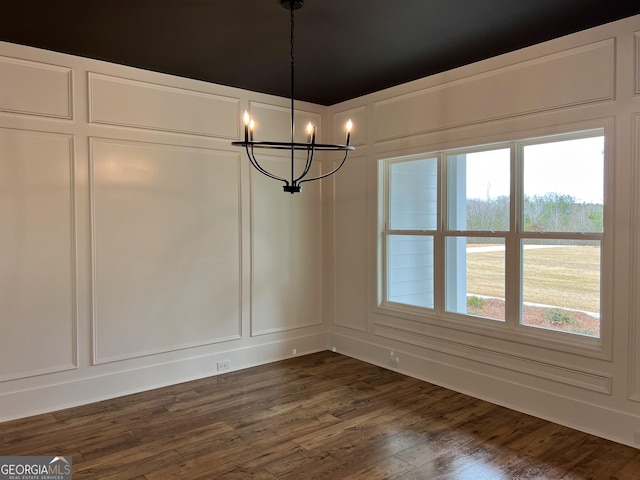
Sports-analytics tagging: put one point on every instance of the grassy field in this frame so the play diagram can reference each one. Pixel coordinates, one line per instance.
(564, 276)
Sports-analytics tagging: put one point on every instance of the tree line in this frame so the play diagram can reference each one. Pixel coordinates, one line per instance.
(552, 212)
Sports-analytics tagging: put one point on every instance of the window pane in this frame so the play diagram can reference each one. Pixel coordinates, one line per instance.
(478, 191)
(410, 270)
(413, 196)
(564, 186)
(561, 285)
(475, 276)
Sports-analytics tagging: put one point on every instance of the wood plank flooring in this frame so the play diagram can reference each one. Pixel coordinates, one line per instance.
(320, 416)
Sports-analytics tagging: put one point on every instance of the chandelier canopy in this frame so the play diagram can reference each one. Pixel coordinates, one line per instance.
(293, 184)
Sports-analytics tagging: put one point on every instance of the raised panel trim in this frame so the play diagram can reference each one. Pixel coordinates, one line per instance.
(417, 101)
(362, 329)
(151, 352)
(267, 129)
(359, 117)
(585, 379)
(363, 326)
(112, 383)
(96, 358)
(74, 269)
(229, 127)
(636, 63)
(277, 186)
(40, 82)
(42, 371)
(286, 328)
(634, 284)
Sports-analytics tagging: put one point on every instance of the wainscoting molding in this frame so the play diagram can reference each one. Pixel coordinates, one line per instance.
(131, 103)
(636, 56)
(58, 395)
(167, 243)
(286, 270)
(634, 327)
(359, 133)
(38, 271)
(581, 378)
(34, 88)
(350, 266)
(273, 123)
(577, 76)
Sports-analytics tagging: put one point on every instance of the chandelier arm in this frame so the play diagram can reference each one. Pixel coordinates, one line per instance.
(330, 173)
(297, 146)
(307, 166)
(258, 167)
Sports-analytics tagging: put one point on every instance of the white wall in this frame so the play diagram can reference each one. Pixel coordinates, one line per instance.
(588, 79)
(137, 247)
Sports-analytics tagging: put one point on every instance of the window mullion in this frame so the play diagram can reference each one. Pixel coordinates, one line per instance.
(513, 273)
(438, 241)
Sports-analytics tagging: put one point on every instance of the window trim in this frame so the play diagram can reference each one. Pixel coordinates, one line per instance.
(510, 330)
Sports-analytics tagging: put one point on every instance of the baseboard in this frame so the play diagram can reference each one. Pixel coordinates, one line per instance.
(52, 396)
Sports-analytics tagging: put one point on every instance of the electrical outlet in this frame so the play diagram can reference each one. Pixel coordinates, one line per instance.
(333, 349)
(294, 351)
(224, 365)
(393, 362)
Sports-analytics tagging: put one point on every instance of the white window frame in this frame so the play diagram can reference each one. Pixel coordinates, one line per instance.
(511, 329)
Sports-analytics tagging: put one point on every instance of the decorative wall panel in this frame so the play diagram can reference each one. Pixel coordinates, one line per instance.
(350, 270)
(33, 88)
(273, 123)
(37, 254)
(634, 338)
(478, 354)
(167, 248)
(359, 133)
(636, 70)
(286, 288)
(573, 77)
(130, 103)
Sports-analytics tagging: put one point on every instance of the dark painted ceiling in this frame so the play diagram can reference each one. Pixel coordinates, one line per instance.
(343, 48)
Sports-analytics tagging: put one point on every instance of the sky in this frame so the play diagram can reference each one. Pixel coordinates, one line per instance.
(570, 167)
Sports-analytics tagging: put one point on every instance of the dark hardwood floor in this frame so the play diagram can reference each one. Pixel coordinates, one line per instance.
(321, 416)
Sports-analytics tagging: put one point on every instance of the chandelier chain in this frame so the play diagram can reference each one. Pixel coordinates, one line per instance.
(291, 33)
(293, 64)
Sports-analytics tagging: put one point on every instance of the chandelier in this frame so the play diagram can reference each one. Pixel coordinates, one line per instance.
(293, 184)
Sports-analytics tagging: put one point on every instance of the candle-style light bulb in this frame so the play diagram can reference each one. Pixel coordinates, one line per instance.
(247, 120)
(252, 125)
(349, 126)
(309, 131)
